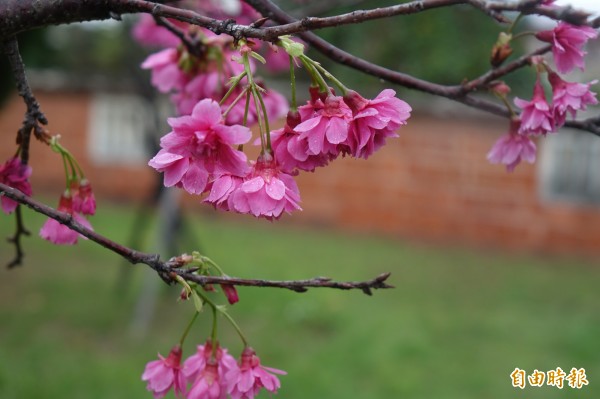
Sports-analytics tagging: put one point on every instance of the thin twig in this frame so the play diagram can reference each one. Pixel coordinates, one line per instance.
(20, 231)
(194, 47)
(33, 115)
(168, 270)
(31, 123)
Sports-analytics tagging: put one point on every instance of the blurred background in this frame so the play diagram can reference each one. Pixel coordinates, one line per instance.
(492, 270)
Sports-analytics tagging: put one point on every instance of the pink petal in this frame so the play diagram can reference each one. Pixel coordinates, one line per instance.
(275, 189)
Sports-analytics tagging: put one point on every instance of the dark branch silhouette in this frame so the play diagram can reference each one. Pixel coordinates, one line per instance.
(168, 270)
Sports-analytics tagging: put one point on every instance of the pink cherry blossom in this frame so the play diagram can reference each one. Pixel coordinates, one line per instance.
(195, 364)
(567, 41)
(246, 381)
(267, 191)
(291, 152)
(220, 190)
(163, 375)
(210, 81)
(208, 384)
(374, 121)
(569, 97)
(16, 175)
(58, 233)
(513, 147)
(200, 146)
(207, 370)
(325, 124)
(208, 84)
(146, 32)
(166, 73)
(536, 117)
(84, 200)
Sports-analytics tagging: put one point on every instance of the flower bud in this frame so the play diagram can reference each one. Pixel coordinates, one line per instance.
(501, 50)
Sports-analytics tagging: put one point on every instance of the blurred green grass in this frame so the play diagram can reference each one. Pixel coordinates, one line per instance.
(456, 326)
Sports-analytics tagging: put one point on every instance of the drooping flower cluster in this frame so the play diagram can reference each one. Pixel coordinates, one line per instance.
(77, 200)
(15, 174)
(210, 373)
(540, 116)
(205, 72)
(58, 233)
(203, 153)
(329, 125)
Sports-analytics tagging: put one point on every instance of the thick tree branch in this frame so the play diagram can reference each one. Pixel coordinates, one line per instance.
(169, 269)
(21, 15)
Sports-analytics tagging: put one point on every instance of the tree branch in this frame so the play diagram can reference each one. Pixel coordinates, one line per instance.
(20, 231)
(167, 270)
(31, 123)
(33, 115)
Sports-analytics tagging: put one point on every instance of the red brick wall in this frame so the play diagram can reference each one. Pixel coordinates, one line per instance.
(433, 183)
(68, 116)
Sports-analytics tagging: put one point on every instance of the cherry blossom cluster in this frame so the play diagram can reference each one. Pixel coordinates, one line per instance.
(218, 96)
(540, 116)
(77, 200)
(211, 372)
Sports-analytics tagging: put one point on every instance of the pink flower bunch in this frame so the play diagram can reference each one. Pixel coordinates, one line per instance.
(540, 117)
(329, 125)
(513, 147)
(211, 373)
(567, 42)
(199, 156)
(58, 233)
(15, 174)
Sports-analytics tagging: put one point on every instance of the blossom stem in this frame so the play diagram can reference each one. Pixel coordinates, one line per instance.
(213, 264)
(329, 76)
(237, 99)
(256, 96)
(67, 179)
(246, 109)
(294, 106)
(265, 117)
(213, 334)
(234, 83)
(514, 23)
(507, 104)
(235, 326)
(315, 75)
(523, 34)
(221, 309)
(188, 328)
